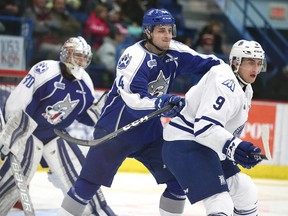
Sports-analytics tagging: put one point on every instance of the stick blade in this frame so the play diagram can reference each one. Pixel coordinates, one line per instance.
(265, 134)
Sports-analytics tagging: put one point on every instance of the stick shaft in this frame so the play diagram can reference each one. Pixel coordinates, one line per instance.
(127, 127)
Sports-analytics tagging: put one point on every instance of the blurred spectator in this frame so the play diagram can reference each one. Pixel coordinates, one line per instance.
(74, 4)
(97, 26)
(106, 54)
(185, 40)
(2, 28)
(132, 11)
(13, 8)
(45, 26)
(70, 27)
(115, 19)
(206, 45)
(135, 31)
(278, 85)
(214, 28)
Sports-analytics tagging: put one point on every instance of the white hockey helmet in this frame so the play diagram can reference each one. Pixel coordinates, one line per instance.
(246, 49)
(76, 55)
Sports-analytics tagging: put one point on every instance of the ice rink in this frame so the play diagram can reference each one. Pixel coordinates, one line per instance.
(138, 195)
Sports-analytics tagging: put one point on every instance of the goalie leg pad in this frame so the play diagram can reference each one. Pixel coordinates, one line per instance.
(244, 195)
(65, 163)
(16, 132)
(9, 193)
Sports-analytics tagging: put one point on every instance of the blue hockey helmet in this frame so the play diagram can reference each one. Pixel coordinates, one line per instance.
(154, 17)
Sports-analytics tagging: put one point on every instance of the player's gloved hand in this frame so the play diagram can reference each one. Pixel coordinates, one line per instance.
(242, 153)
(167, 99)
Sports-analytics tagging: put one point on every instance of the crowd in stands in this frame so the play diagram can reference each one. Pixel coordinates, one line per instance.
(109, 26)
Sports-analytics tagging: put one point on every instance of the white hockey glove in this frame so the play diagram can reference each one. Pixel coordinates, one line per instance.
(94, 111)
(242, 153)
(15, 133)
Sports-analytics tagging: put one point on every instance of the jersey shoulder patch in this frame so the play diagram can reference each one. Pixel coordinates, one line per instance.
(124, 61)
(41, 67)
(224, 75)
(230, 84)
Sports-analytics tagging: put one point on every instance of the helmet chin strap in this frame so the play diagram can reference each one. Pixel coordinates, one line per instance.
(240, 79)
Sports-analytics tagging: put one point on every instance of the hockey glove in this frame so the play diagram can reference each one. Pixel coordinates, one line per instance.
(167, 99)
(242, 153)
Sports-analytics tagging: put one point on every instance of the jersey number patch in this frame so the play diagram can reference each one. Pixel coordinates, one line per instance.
(219, 103)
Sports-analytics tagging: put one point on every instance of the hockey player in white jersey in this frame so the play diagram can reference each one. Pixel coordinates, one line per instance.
(202, 146)
(53, 94)
(145, 73)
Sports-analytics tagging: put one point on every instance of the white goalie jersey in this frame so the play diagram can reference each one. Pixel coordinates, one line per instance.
(216, 110)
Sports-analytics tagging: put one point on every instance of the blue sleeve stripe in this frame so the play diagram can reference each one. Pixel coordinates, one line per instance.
(185, 121)
(181, 127)
(209, 120)
(213, 122)
(202, 130)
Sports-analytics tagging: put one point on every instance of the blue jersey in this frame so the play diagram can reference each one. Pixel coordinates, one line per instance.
(51, 100)
(143, 76)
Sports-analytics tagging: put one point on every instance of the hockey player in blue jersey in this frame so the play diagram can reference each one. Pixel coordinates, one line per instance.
(53, 94)
(202, 146)
(144, 75)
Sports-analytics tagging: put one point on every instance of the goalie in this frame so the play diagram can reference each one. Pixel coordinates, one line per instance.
(53, 94)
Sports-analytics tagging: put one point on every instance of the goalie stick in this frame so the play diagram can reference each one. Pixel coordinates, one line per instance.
(19, 178)
(65, 135)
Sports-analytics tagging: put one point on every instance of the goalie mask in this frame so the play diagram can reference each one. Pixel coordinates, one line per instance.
(246, 49)
(157, 17)
(76, 55)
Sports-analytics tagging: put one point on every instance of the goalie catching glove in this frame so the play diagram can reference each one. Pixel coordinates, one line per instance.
(242, 153)
(167, 99)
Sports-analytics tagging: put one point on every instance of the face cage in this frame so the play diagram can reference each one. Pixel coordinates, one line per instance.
(70, 52)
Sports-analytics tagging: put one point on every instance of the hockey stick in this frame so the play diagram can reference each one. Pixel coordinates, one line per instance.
(265, 140)
(67, 137)
(20, 180)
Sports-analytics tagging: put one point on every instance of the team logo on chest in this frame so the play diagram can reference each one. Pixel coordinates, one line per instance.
(152, 63)
(159, 86)
(59, 85)
(60, 110)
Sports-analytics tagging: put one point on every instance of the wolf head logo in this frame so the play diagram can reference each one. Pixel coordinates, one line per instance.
(59, 111)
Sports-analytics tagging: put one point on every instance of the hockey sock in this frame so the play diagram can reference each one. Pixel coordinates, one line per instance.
(174, 191)
(84, 190)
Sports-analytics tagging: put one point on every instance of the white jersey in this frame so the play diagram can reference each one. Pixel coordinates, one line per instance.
(216, 110)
